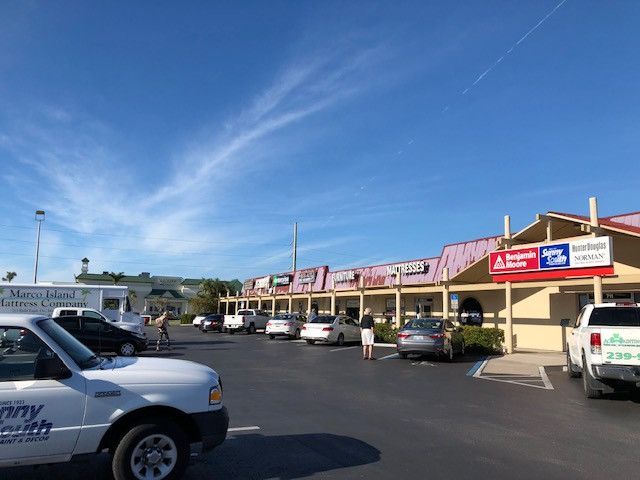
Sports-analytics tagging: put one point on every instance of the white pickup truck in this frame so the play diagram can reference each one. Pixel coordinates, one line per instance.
(245, 321)
(59, 401)
(604, 348)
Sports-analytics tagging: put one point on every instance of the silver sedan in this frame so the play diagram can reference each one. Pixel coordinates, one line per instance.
(434, 336)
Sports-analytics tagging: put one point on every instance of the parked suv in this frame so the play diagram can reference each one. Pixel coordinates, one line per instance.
(604, 347)
(101, 336)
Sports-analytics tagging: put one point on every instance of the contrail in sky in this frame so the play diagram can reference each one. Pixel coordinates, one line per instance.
(522, 39)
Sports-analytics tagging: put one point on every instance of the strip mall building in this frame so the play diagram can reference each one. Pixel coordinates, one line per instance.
(523, 283)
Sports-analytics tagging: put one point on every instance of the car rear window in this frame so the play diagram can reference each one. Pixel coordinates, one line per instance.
(323, 319)
(425, 324)
(284, 316)
(615, 317)
(245, 312)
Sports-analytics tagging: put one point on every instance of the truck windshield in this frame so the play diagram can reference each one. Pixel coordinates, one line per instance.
(80, 354)
(615, 317)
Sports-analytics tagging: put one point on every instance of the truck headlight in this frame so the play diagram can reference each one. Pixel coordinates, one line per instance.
(215, 395)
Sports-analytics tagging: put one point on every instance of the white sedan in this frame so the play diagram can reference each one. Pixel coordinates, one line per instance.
(285, 324)
(336, 329)
(199, 318)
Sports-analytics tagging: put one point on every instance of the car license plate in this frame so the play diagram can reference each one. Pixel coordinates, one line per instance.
(417, 337)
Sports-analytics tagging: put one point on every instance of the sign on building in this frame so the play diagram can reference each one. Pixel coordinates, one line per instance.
(262, 283)
(455, 302)
(307, 276)
(576, 254)
(281, 280)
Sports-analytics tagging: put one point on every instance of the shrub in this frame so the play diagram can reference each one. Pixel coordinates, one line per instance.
(385, 332)
(187, 318)
(483, 340)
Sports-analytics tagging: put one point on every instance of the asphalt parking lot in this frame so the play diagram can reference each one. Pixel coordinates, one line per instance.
(321, 411)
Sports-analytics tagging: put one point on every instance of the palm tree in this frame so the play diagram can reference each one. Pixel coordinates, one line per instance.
(116, 277)
(10, 276)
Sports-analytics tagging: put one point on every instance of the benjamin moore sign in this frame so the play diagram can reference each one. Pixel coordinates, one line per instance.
(587, 253)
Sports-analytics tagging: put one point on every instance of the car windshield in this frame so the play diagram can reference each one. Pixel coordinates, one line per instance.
(80, 354)
(283, 316)
(324, 319)
(615, 317)
(424, 323)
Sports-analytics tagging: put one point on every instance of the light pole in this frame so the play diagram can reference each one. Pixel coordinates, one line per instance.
(39, 218)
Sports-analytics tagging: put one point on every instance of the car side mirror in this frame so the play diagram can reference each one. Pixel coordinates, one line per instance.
(50, 368)
(565, 322)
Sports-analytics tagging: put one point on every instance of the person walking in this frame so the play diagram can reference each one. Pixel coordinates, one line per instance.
(366, 333)
(162, 322)
(313, 314)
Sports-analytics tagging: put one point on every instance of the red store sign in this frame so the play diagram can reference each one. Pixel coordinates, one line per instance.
(516, 260)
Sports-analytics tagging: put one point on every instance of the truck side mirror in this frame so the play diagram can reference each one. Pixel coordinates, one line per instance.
(565, 322)
(50, 368)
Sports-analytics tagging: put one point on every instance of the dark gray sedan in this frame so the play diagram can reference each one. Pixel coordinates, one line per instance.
(430, 336)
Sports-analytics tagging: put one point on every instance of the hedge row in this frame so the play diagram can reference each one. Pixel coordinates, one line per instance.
(483, 340)
(187, 318)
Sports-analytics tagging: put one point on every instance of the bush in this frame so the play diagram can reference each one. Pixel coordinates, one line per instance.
(187, 318)
(385, 332)
(483, 340)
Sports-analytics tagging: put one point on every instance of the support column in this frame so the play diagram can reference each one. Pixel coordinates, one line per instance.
(290, 307)
(226, 307)
(309, 299)
(260, 302)
(549, 230)
(595, 223)
(398, 319)
(273, 306)
(333, 301)
(508, 333)
(361, 294)
(445, 293)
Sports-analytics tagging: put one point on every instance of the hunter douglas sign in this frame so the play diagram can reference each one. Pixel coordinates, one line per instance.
(575, 257)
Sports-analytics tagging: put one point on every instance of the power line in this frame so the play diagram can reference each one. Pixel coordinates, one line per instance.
(144, 237)
(153, 252)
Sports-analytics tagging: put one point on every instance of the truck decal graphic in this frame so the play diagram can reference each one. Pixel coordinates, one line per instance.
(29, 429)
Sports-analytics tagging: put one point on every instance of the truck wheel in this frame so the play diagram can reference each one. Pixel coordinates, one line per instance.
(157, 451)
(251, 330)
(311, 342)
(402, 355)
(587, 379)
(272, 337)
(231, 332)
(127, 349)
(572, 370)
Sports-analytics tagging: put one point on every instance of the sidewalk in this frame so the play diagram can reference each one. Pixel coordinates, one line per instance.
(523, 363)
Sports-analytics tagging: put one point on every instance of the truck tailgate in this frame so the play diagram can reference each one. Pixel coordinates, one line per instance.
(620, 345)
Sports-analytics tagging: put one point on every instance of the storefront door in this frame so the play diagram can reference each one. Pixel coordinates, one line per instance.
(424, 307)
(353, 308)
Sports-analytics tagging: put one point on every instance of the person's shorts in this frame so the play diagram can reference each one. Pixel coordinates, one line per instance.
(367, 336)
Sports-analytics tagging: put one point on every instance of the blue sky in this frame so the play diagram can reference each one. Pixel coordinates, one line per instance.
(185, 138)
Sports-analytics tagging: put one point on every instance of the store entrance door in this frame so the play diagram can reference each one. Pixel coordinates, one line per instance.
(353, 308)
(424, 307)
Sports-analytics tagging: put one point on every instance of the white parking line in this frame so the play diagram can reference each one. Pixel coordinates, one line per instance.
(393, 355)
(298, 341)
(243, 429)
(342, 349)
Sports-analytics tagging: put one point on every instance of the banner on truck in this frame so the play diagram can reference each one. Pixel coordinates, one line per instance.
(41, 300)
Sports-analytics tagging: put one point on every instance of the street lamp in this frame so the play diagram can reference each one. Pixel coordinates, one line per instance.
(39, 218)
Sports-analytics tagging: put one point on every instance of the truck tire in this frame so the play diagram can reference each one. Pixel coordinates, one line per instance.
(272, 336)
(572, 370)
(251, 330)
(160, 446)
(311, 342)
(231, 332)
(587, 381)
(127, 349)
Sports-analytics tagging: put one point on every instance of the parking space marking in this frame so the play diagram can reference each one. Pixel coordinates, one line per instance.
(393, 355)
(244, 429)
(341, 349)
(526, 380)
(423, 364)
(298, 341)
(474, 369)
